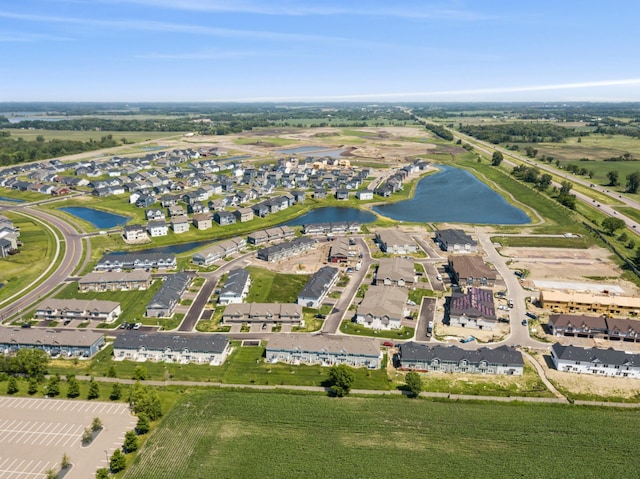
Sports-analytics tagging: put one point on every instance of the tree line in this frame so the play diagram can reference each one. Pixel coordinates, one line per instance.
(518, 132)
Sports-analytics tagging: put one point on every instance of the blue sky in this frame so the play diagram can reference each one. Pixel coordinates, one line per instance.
(358, 50)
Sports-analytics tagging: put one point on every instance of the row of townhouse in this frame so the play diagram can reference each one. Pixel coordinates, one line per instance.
(180, 348)
(396, 271)
(287, 249)
(168, 296)
(394, 241)
(317, 287)
(219, 250)
(115, 281)
(452, 359)
(324, 350)
(394, 182)
(382, 308)
(64, 343)
(602, 362)
(128, 261)
(576, 302)
(474, 308)
(264, 313)
(85, 310)
(336, 228)
(277, 233)
(601, 327)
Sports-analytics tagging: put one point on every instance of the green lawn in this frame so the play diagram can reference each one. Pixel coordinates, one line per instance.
(231, 434)
(349, 327)
(132, 303)
(543, 242)
(270, 287)
(22, 269)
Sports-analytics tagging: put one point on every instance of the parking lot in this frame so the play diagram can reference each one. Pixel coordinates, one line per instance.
(35, 433)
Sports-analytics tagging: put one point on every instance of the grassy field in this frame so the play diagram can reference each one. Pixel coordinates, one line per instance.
(542, 242)
(270, 287)
(21, 270)
(131, 136)
(132, 303)
(349, 327)
(230, 434)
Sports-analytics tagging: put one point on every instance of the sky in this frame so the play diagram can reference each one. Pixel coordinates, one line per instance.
(325, 50)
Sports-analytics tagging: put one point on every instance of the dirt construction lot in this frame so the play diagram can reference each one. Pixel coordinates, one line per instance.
(565, 264)
(35, 433)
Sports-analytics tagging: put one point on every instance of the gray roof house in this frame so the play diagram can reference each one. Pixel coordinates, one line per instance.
(602, 362)
(383, 308)
(324, 350)
(452, 359)
(167, 297)
(456, 241)
(179, 348)
(113, 261)
(314, 292)
(236, 287)
(64, 343)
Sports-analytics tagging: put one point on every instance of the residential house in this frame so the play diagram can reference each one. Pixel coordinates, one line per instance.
(471, 270)
(202, 221)
(236, 287)
(56, 343)
(63, 309)
(324, 350)
(224, 218)
(364, 195)
(154, 214)
(114, 261)
(455, 241)
(180, 224)
(396, 272)
(600, 362)
(473, 309)
(342, 194)
(383, 308)
(393, 241)
(157, 228)
(168, 296)
(180, 348)
(452, 359)
(115, 281)
(243, 214)
(575, 302)
(251, 313)
(317, 287)
(287, 249)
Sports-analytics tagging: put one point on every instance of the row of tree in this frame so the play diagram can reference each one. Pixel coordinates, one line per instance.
(518, 132)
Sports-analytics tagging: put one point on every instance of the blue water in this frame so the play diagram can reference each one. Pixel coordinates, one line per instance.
(11, 200)
(99, 219)
(454, 196)
(333, 214)
(153, 148)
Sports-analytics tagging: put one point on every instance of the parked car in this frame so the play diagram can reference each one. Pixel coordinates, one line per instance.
(388, 344)
(524, 322)
(137, 325)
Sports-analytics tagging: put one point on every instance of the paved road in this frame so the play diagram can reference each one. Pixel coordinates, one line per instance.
(341, 308)
(211, 280)
(427, 313)
(70, 259)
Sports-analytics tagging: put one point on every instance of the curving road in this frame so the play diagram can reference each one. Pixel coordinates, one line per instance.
(71, 257)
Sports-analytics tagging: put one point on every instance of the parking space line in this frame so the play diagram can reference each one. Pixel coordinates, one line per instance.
(26, 429)
(8, 427)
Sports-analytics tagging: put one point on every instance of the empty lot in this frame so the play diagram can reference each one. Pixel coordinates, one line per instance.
(35, 433)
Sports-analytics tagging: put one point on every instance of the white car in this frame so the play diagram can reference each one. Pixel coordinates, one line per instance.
(137, 325)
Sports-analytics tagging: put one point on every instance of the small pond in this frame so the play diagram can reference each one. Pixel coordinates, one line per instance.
(99, 219)
(454, 195)
(10, 200)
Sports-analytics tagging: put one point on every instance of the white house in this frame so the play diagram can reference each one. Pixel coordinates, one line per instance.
(158, 228)
(383, 308)
(601, 362)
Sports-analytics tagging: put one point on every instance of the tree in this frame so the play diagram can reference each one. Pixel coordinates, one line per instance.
(51, 474)
(146, 401)
(414, 383)
(33, 386)
(631, 244)
(65, 462)
(623, 237)
(96, 424)
(73, 387)
(140, 373)
(143, 426)
(565, 187)
(53, 386)
(496, 158)
(116, 392)
(94, 389)
(633, 182)
(544, 181)
(32, 362)
(102, 473)
(12, 385)
(341, 378)
(130, 442)
(118, 461)
(610, 225)
(613, 178)
(111, 373)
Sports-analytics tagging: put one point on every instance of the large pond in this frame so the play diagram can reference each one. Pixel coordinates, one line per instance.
(99, 219)
(333, 214)
(454, 195)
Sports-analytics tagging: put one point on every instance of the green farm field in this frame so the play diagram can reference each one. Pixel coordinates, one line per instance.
(231, 434)
(131, 136)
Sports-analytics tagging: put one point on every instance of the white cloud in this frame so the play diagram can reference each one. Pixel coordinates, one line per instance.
(454, 95)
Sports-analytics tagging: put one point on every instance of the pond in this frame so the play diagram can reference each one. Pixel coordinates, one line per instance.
(99, 219)
(10, 200)
(333, 214)
(454, 195)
